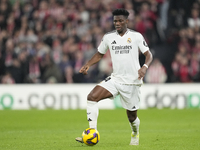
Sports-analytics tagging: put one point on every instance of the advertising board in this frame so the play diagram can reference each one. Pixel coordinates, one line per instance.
(74, 96)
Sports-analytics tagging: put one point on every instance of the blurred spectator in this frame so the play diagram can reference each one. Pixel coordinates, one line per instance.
(175, 67)
(181, 69)
(5, 8)
(2, 66)
(24, 64)
(184, 70)
(78, 63)
(34, 72)
(56, 51)
(139, 25)
(65, 65)
(183, 41)
(7, 79)
(16, 70)
(195, 68)
(156, 72)
(50, 71)
(149, 17)
(69, 74)
(9, 52)
(194, 20)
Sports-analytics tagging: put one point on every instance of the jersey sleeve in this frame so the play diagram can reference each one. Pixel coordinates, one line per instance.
(103, 47)
(142, 44)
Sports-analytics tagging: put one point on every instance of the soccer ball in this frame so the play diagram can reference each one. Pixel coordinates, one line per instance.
(90, 136)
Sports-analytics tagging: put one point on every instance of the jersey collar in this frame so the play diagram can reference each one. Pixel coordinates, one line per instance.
(124, 33)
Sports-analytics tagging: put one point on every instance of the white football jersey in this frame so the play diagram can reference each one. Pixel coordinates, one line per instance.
(124, 52)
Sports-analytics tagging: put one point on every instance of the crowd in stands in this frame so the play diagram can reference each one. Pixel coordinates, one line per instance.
(186, 62)
(48, 41)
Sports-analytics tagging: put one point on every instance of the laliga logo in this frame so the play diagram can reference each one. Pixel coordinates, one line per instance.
(129, 40)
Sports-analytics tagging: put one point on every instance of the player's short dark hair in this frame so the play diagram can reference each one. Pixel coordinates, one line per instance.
(120, 11)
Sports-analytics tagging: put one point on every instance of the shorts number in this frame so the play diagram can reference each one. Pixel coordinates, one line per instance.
(107, 79)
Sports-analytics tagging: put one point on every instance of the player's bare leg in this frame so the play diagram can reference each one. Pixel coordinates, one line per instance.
(134, 123)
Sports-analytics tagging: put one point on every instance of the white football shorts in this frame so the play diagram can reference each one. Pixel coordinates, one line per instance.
(129, 93)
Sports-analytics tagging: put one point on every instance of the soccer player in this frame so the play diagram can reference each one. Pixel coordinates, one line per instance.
(127, 77)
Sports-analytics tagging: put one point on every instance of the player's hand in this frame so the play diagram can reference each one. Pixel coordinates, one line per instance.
(84, 69)
(142, 72)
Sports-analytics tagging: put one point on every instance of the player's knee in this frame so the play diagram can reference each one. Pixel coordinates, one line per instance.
(92, 97)
(132, 116)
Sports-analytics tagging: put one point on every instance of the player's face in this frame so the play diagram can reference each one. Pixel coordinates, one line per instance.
(120, 23)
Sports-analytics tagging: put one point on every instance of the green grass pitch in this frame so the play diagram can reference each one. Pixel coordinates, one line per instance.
(164, 129)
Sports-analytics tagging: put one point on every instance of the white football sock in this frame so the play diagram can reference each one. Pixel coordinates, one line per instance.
(135, 126)
(92, 113)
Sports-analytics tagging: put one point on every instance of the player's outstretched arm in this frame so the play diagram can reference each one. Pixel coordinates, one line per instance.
(95, 58)
(148, 60)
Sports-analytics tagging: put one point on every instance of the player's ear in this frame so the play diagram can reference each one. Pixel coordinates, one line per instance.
(127, 21)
